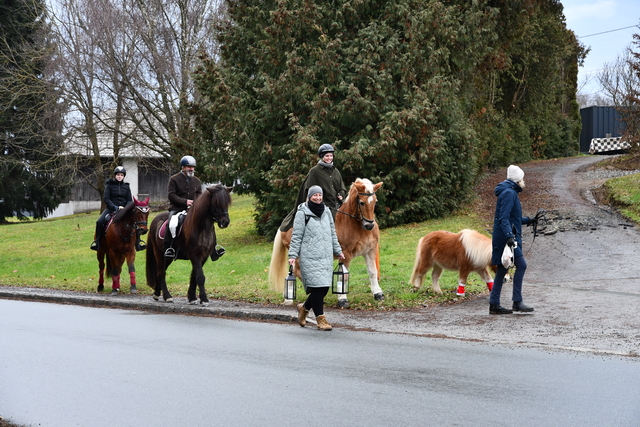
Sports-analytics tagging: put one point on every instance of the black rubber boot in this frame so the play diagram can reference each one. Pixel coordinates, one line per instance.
(95, 245)
(218, 251)
(519, 306)
(140, 244)
(498, 309)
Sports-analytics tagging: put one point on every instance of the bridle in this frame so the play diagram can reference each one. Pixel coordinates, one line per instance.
(138, 224)
(360, 216)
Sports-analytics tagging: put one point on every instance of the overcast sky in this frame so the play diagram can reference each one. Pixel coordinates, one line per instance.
(587, 17)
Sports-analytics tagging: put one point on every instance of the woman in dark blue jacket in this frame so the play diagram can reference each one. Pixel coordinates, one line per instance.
(507, 229)
(117, 195)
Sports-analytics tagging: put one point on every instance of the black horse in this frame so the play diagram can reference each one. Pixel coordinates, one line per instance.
(196, 242)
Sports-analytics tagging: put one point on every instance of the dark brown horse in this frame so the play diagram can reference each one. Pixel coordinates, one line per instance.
(358, 234)
(196, 241)
(119, 243)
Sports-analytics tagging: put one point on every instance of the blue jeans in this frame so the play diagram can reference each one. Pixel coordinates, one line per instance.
(521, 267)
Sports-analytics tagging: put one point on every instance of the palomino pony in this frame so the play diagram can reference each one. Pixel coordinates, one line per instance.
(119, 243)
(358, 234)
(196, 241)
(463, 252)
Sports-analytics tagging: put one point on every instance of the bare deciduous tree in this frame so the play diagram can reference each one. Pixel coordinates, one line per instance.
(126, 69)
(617, 79)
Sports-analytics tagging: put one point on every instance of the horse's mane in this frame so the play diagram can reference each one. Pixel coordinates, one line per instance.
(215, 195)
(123, 213)
(351, 199)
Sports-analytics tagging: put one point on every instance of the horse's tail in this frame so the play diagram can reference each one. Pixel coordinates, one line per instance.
(152, 265)
(477, 247)
(277, 268)
(415, 274)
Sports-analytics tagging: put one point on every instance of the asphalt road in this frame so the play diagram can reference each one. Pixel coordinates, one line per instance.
(67, 365)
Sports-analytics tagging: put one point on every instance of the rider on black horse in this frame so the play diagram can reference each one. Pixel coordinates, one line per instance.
(182, 190)
(117, 195)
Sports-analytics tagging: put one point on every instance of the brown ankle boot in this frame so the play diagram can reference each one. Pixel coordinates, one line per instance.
(302, 315)
(322, 323)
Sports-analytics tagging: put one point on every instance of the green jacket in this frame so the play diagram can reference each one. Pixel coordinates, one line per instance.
(330, 180)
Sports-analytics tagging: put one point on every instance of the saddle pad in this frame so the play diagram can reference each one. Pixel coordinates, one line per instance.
(109, 221)
(162, 231)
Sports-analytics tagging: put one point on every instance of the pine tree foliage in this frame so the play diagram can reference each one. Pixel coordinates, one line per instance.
(32, 177)
(419, 94)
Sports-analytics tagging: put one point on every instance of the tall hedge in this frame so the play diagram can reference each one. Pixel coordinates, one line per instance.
(401, 88)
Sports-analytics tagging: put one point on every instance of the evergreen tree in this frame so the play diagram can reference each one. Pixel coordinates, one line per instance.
(378, 79)
(422, 95)
(32, 177)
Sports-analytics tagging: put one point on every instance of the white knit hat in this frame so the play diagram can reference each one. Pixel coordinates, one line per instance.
(515, 174)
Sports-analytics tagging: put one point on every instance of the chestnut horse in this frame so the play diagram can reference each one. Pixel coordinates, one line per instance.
(358, 234)
(196, 241)
(119, 243)
(463, 252)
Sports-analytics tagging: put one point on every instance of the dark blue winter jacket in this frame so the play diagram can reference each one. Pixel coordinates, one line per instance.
(117, 193)
(508, 220)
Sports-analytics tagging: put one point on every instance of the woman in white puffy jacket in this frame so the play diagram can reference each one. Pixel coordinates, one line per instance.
(314, 242)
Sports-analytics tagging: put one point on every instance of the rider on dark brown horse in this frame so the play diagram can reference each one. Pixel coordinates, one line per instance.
(182, 190)
(117, 195)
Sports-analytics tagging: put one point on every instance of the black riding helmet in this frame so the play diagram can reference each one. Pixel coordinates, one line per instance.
(324, 149)
(120, 169)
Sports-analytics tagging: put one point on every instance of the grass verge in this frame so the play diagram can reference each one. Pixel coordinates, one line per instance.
(55, 254)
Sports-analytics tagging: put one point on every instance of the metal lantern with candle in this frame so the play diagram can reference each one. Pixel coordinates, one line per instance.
(340, 284)
(290, 285)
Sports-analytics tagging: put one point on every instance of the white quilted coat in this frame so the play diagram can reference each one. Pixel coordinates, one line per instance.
(314, 244)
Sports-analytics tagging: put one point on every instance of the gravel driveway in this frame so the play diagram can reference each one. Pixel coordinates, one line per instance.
(582, 276)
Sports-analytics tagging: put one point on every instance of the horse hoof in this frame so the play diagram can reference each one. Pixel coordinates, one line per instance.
(115, 291)
(156, 297)
(379, 296)
(204, 303)
(343, 303)
(100, 288)
(169, 300)
(193, 302)
(133, 289)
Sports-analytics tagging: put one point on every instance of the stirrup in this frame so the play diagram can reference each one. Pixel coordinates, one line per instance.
(170, 253)
(95, 245)
(141, 245)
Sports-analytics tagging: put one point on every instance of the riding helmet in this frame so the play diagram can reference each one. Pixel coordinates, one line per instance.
(324, 149)
(187, 161)
(120, 169)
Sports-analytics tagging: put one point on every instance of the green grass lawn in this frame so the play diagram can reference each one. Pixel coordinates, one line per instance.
(625, 194)
(55, 254)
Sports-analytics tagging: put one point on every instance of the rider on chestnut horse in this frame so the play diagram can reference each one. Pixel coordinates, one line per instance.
(117, 195)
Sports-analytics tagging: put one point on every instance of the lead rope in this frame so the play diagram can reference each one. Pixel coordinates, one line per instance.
(540, 215)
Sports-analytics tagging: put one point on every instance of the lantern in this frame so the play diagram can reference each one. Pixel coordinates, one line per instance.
(290, 285)
(340, 284)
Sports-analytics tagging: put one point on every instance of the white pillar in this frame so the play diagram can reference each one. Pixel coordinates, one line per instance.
(131, 165)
